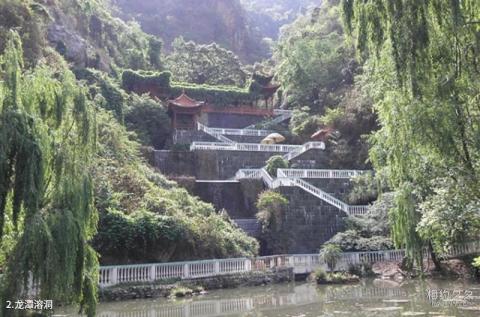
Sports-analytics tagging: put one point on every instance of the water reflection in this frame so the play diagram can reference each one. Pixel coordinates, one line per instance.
(370, 298)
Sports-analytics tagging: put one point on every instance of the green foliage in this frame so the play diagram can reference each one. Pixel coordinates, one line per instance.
(450, 216)
(313, 60)
(369, 232)
(27, 19)
(205, 64)
(303, 123)
(320, 274)
(272, 209)
(476, 262)
(274, 163)
(423, 78)
(105, 89)
(149, 119)
(146, 218)
(210, 22)
(330, 254)
(367, 187)
(154, 52)
(46, 191)
(322, 277)
(161, 84)
(317, 69)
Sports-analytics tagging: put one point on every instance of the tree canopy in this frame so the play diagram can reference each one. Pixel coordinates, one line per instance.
(46, 191)
(205, 64)
(423, 77)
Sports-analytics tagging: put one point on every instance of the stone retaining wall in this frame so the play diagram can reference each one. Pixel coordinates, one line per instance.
(309, 221)
(237, 198)
(156, 290)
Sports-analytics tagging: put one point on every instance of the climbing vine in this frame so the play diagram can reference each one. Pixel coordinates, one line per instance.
(219, 95)
(46, 142)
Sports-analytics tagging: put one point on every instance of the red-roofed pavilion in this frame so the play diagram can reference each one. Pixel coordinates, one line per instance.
(184, 112)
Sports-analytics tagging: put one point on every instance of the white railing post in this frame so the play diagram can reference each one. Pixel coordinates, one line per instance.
(217, 267)
(186, 271)
(248, 265)
(113, 276)
(152, 276)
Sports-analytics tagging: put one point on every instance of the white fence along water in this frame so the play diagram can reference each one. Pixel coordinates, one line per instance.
(300, 263)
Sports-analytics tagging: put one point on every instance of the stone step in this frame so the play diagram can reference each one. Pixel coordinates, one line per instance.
(251, 226)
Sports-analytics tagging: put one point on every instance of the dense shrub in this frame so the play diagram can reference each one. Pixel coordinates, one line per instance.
(330, 254)
(144, 217)
(476, 262)
(149, 119)
(272, 208)
(26, 19)
(274, 163)
(368, 232)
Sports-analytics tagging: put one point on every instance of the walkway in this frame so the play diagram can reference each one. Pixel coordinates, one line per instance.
(285, 177)
(300, 263)
(291, 178)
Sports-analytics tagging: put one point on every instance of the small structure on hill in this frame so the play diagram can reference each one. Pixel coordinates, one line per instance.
(184, 112)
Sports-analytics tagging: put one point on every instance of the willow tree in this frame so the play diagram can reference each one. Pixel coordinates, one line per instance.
(46, 145)
(424, 77)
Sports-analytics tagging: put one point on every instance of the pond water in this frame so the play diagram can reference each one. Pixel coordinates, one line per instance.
(369, 298)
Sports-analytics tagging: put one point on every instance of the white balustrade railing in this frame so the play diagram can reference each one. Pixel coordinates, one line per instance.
(215, 134)
(281, 114)
(302, 149)
(301, 263)
(141, 273)
(319, 173)
(238, 132)
(350, 210)
(253, 147)
(289, 181)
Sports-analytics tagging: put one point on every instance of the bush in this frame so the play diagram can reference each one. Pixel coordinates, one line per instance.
(144, 217)
(330, 254)
(476, 262)
(322, 277)
(272, 208)
(368, 232)
(320, 274)
(274, 163)
(149, 120)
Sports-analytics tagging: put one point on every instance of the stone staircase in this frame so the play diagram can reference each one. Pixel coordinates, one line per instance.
(286, 181)
(327, 203)
(251, 226)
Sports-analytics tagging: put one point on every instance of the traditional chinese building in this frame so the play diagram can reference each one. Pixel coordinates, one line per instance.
(184, 112)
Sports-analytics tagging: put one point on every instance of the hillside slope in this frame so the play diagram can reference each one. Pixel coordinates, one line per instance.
(206, 21)
(143, 216)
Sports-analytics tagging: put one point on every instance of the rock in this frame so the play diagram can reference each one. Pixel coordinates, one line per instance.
(389, 270)
(71, 45)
